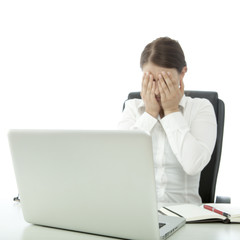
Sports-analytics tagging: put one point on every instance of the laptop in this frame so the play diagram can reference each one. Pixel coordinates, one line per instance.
(92, 181)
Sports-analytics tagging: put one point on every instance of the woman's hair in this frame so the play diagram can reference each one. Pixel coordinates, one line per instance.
(164, 52)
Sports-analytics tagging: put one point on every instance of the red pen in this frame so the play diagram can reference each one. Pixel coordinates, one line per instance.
(216, 211)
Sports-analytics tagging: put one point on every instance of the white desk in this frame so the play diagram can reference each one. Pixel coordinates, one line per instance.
(13, 227)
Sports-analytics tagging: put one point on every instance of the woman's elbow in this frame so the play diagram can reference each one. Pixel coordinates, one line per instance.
(197, 163)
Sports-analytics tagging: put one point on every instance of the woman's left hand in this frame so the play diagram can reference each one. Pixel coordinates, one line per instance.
(170, 92)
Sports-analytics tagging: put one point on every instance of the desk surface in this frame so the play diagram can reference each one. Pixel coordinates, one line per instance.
(13, 226)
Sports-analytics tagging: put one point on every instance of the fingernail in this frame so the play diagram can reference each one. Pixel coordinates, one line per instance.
(168, 73)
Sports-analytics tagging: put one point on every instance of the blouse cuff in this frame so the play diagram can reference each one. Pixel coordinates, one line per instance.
(146, 122)
(174, 121)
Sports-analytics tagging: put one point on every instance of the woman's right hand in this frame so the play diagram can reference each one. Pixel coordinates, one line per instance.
(149, 86)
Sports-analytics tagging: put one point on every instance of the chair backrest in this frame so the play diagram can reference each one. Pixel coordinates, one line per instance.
(209, 174)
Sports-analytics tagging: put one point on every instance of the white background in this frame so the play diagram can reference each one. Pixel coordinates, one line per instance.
(71, 64)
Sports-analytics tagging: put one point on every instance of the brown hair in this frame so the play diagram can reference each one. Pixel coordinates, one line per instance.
(164, 52)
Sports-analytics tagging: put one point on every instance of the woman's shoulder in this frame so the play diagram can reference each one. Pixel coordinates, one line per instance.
(198, 101)
(198, 105)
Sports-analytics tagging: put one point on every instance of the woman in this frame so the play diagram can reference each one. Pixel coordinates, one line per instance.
(183, 129)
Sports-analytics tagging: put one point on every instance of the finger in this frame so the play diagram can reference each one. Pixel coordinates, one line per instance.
(144, 84)
(157, 86)
(143, 77)
(150, 84)
(162, 93)
(168, 80)
(163, 84)
(153, 87)
(173, 79)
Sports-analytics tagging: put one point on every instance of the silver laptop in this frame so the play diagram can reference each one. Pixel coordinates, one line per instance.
(99, 182)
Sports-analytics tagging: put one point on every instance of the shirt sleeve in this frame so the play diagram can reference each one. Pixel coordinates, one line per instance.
(192, 143)
(132, 120)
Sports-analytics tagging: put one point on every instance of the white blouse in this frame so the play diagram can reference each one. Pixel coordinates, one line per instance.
(182, 145)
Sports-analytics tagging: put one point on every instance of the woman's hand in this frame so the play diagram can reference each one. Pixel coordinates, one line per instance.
(152, 106)
(170, 92)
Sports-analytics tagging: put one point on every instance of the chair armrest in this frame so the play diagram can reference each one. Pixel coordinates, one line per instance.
(223, 199)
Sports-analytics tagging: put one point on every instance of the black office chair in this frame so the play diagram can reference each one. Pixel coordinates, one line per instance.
(209, 174)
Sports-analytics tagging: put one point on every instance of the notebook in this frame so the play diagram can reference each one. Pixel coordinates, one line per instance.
(98, 182)
(226, 213)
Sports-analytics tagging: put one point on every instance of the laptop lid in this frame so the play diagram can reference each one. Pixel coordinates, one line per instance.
(99, 182)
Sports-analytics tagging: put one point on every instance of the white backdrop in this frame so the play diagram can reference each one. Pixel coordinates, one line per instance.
(70, 64)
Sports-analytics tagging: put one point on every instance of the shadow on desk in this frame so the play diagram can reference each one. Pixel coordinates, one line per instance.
(47, 233)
